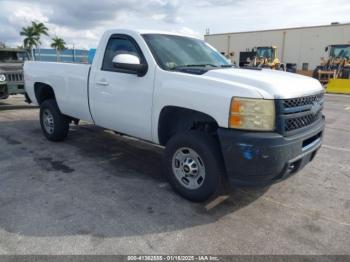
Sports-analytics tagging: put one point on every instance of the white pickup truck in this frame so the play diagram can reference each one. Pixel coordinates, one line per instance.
(252, 127)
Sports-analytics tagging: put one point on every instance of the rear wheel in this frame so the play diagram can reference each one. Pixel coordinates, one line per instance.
(193, 165)
(53, 123)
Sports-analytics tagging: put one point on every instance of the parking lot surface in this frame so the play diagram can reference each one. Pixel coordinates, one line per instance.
(100, 193)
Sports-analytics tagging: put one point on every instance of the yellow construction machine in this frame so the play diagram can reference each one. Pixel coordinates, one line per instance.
(334, 73)
(266, 57)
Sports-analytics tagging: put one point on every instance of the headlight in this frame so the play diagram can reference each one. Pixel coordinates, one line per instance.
(252, 114)
(2, 78)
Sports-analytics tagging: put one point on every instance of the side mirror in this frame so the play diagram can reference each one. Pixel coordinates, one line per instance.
(326, 49)
(129, 63)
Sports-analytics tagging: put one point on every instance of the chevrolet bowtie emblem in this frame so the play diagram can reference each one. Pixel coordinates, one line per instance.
(316, 107)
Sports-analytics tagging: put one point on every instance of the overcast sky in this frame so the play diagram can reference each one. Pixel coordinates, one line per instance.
(81, 22)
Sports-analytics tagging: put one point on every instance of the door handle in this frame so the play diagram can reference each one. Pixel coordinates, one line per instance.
(102, 83)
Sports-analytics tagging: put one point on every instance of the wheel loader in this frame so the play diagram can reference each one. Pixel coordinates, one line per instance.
(266, 57)
(334, 73)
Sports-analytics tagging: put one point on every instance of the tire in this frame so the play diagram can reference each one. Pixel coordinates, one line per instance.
(315, 73)
(205, 151)
(346, 73)
(54, 125)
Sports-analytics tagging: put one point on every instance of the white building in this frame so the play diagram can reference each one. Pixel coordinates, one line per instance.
(303, 45)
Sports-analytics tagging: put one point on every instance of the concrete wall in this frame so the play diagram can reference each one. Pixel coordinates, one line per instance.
(295, 45)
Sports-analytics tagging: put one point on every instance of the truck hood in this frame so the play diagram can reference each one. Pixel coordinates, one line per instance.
(10, 66)
(271, 84)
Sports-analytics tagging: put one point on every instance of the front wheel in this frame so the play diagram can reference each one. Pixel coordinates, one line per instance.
(53, 123)
(315, 73)
(193, 165)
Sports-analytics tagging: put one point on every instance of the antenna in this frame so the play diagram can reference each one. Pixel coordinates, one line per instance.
(207, 31)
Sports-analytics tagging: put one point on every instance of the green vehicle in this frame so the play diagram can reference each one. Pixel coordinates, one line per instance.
(11, 71)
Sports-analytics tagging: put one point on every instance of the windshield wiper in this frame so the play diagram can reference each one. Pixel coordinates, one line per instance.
(230, 65)
(194, 65)
(203, 65)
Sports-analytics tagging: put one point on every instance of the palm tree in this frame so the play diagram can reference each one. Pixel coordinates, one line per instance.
(59, 44)
(40, 29)
(32, 35)
(31, 39)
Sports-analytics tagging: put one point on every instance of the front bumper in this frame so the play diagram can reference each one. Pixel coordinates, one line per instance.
(3, 91)
(261, 158)
(7, 89)
(15, 88)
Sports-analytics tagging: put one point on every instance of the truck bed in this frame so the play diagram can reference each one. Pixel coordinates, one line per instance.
(70, 82)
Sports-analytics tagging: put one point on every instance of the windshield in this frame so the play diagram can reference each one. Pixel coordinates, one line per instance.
(340, 51)
(264, 52)
(13, 56)
(172, 51)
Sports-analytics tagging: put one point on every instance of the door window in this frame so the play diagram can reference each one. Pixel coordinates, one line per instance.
(119, 45)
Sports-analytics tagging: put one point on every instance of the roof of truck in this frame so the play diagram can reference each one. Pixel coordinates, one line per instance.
(147, 31)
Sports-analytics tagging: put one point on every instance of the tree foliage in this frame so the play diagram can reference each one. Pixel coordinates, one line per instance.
(32, 35)
(58, 43)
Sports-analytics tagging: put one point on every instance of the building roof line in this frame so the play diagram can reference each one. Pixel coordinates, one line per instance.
(10, 49)
(279, 29)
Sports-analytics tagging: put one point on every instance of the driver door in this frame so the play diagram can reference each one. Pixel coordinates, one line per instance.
(122, 101)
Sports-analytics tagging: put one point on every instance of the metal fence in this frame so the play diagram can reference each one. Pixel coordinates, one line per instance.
(67, 55)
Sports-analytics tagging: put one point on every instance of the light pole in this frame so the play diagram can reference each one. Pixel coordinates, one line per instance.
(73, 54)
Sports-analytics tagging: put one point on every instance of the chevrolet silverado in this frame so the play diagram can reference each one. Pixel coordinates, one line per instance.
(216, 121)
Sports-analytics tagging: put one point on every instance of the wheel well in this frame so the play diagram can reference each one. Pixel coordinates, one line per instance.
(43, 92)
(174, 119)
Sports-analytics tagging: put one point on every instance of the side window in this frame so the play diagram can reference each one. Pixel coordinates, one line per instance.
(115, 46)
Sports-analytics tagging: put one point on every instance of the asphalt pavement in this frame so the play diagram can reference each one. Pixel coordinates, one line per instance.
(101, 193)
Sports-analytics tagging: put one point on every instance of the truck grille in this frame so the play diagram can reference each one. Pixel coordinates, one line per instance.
(14, 77)
(297, 113)
(302, 101)
(302, 121)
